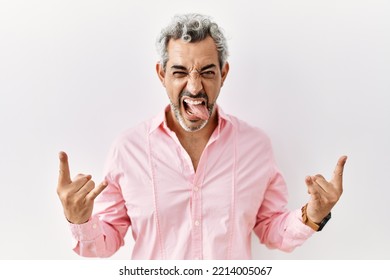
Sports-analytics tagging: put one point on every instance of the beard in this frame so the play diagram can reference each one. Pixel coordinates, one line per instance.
(191, 125)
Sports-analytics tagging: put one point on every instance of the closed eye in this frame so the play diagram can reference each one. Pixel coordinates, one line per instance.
(208, 74)
(179, 74)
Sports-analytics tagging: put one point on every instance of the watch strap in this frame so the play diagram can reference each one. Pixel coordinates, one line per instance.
(311, 224)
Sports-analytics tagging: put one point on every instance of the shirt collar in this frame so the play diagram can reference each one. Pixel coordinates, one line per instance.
(160, 119)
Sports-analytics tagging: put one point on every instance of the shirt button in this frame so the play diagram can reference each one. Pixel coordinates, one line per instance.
(197, 223)
(94, 226)
(196, 189)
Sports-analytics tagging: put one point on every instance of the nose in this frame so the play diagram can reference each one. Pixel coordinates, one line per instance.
(194, 83)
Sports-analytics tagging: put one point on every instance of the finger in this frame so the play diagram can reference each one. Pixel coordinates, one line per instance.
(321, 181)
(338, 171)
(64, 176)
(86, 188)
(308, 182)
(313, 186)
(80, 176)
(80, 181)
(97, 190)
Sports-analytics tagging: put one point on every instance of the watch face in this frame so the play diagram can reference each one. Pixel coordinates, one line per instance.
(324, 221)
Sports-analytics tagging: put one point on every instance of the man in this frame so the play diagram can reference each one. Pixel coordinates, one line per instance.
(193, 182)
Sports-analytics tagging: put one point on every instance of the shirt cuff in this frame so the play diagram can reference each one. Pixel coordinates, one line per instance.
(88, 231)
(300, 229)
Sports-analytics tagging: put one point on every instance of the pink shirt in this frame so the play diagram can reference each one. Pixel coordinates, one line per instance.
(177, 213)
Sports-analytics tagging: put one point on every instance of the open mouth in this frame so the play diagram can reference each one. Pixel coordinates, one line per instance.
(195, 109)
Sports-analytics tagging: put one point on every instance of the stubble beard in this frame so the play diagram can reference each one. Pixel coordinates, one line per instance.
(176, 110)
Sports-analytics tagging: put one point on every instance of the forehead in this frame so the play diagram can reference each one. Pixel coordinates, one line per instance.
(192, 54)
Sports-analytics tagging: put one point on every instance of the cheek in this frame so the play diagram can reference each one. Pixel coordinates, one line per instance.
(173, 93)
(212, 90)
(174, 84)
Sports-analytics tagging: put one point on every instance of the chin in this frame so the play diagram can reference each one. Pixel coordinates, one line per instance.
(191, 126)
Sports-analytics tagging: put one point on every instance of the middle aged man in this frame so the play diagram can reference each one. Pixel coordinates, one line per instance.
(192, 182)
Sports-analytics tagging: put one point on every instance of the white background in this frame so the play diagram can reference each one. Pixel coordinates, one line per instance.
(313, 74)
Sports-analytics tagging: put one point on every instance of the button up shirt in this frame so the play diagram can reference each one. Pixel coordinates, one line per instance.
(175, 212)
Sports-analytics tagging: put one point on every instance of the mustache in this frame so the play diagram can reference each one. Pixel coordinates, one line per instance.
(198, 95)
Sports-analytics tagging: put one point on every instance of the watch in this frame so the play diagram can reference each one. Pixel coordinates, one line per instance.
(313, 225)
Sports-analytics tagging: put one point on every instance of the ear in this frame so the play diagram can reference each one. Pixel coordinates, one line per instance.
(160, 73)
(224, 72)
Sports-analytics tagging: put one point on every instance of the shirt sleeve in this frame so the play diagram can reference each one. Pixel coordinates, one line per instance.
(277, 227)
(104, 233)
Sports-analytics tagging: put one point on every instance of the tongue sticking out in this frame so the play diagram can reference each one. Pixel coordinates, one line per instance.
(198, 110)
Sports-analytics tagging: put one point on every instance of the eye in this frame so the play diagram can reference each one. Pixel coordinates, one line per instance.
(179, 74)
(208, 74)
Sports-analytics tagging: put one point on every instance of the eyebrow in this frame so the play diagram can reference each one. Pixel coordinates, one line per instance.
(178, 67)
(207, 67)
(181, 67)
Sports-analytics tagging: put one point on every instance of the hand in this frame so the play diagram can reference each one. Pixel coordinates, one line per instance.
(77, 196)
(324, 194)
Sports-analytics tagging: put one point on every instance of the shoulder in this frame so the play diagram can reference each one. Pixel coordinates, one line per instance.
(132, 137)
(128, 146)
(134, 133)
(249, 133)
(253, 146)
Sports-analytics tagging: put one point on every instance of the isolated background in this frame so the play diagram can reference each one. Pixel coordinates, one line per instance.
(313, 74)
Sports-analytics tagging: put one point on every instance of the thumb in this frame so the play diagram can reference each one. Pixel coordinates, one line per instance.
(64, 176)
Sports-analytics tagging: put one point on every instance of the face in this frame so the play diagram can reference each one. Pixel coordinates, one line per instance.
(193, 80)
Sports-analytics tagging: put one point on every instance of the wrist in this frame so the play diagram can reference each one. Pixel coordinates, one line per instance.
(315, 226)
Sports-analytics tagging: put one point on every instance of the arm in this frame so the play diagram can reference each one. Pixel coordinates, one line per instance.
(99, 235)
(104, 233)
(275, 226)
(278, 228)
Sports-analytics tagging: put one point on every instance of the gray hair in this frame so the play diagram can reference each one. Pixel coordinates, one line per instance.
(191, 28)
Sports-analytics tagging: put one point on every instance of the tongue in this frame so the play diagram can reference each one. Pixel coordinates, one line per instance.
(200, 111)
